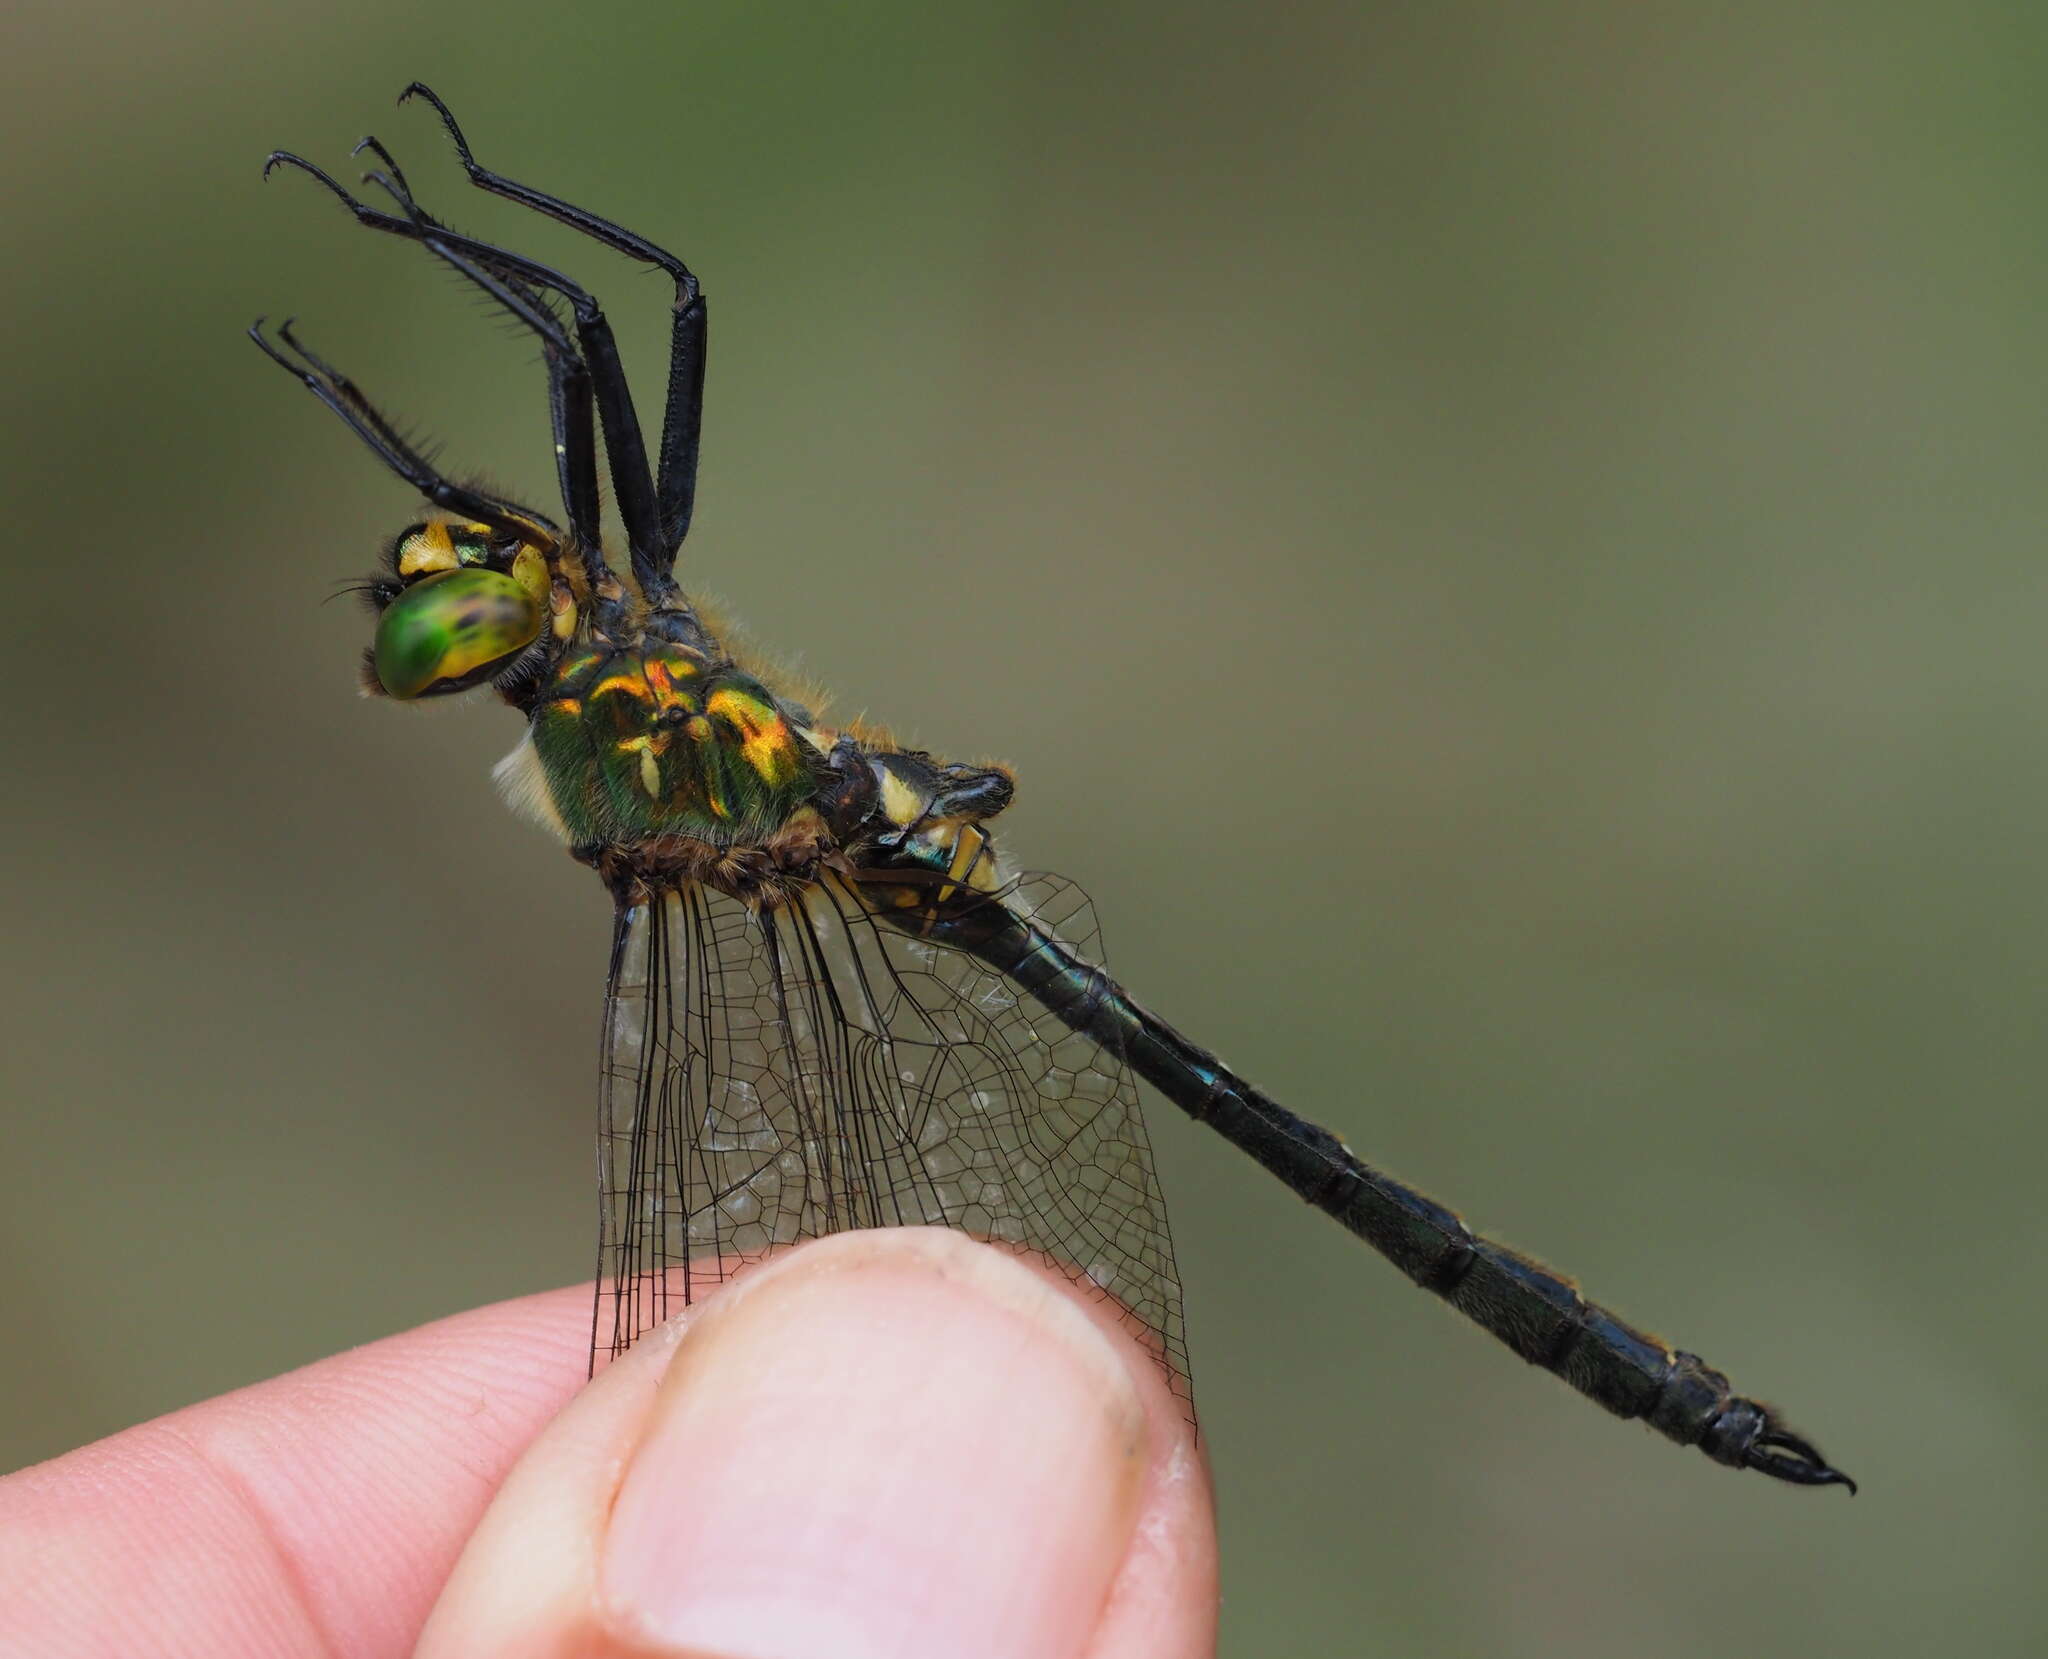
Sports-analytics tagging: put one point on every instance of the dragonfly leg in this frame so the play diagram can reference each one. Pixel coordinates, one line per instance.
(632, 482)
(570, 405)
(683, 417)
(346, 399)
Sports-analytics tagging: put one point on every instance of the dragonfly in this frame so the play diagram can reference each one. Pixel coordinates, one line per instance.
(832, 1001)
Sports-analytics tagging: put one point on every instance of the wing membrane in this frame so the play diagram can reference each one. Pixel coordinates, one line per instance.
(772, 1076)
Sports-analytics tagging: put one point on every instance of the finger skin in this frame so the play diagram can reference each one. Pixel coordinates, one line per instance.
(316, 1514)
(321, 1513)
(769, 1507)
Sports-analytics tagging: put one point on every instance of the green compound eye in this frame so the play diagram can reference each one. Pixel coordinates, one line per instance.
(448, 630)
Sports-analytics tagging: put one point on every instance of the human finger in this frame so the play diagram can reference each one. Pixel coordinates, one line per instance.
(897, 1443)
(312, 1514)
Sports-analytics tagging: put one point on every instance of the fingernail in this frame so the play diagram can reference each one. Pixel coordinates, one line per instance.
(883, 1446)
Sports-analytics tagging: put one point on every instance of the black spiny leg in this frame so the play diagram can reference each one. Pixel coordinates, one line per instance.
(569, 390)
(342, 396)
(632, 483)
(683, 418)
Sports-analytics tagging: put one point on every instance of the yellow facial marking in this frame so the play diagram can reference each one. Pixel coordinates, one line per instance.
(427, 549)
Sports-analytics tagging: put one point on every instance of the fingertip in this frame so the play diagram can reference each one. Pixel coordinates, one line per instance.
(898, 1442)
(1164, 1602)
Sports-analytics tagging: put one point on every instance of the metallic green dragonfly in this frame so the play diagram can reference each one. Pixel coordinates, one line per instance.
(832, 1003)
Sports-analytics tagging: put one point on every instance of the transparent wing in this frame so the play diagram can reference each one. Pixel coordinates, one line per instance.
(775, 1076)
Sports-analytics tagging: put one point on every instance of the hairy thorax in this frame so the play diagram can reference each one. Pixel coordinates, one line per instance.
(663, 763)
(660, 740)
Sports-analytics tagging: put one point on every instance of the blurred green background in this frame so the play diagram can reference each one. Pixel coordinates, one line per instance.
(1504, 543)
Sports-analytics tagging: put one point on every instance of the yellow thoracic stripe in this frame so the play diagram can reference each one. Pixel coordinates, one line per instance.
(764, 734)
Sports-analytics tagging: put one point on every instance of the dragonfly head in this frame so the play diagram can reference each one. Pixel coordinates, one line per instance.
(462, 604)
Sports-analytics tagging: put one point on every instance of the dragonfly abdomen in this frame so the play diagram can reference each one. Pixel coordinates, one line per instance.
(1536, 1311)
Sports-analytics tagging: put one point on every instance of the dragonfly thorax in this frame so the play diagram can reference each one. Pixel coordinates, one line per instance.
(658, 741)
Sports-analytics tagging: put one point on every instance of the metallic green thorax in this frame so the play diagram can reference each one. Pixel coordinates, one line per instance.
(661, 740)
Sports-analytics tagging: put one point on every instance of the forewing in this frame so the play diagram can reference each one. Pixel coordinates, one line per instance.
(774, 1076)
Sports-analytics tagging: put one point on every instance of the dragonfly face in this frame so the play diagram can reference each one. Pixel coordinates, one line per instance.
(461, 604)
(829, 1003)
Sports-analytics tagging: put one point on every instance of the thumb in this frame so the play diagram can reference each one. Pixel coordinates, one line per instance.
(881, 1445)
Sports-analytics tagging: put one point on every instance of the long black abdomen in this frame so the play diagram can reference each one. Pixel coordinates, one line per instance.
(1535, 1311)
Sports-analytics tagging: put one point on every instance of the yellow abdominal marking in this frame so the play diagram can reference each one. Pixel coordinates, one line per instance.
(967, 847)
(901, 804)
(969, 843)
